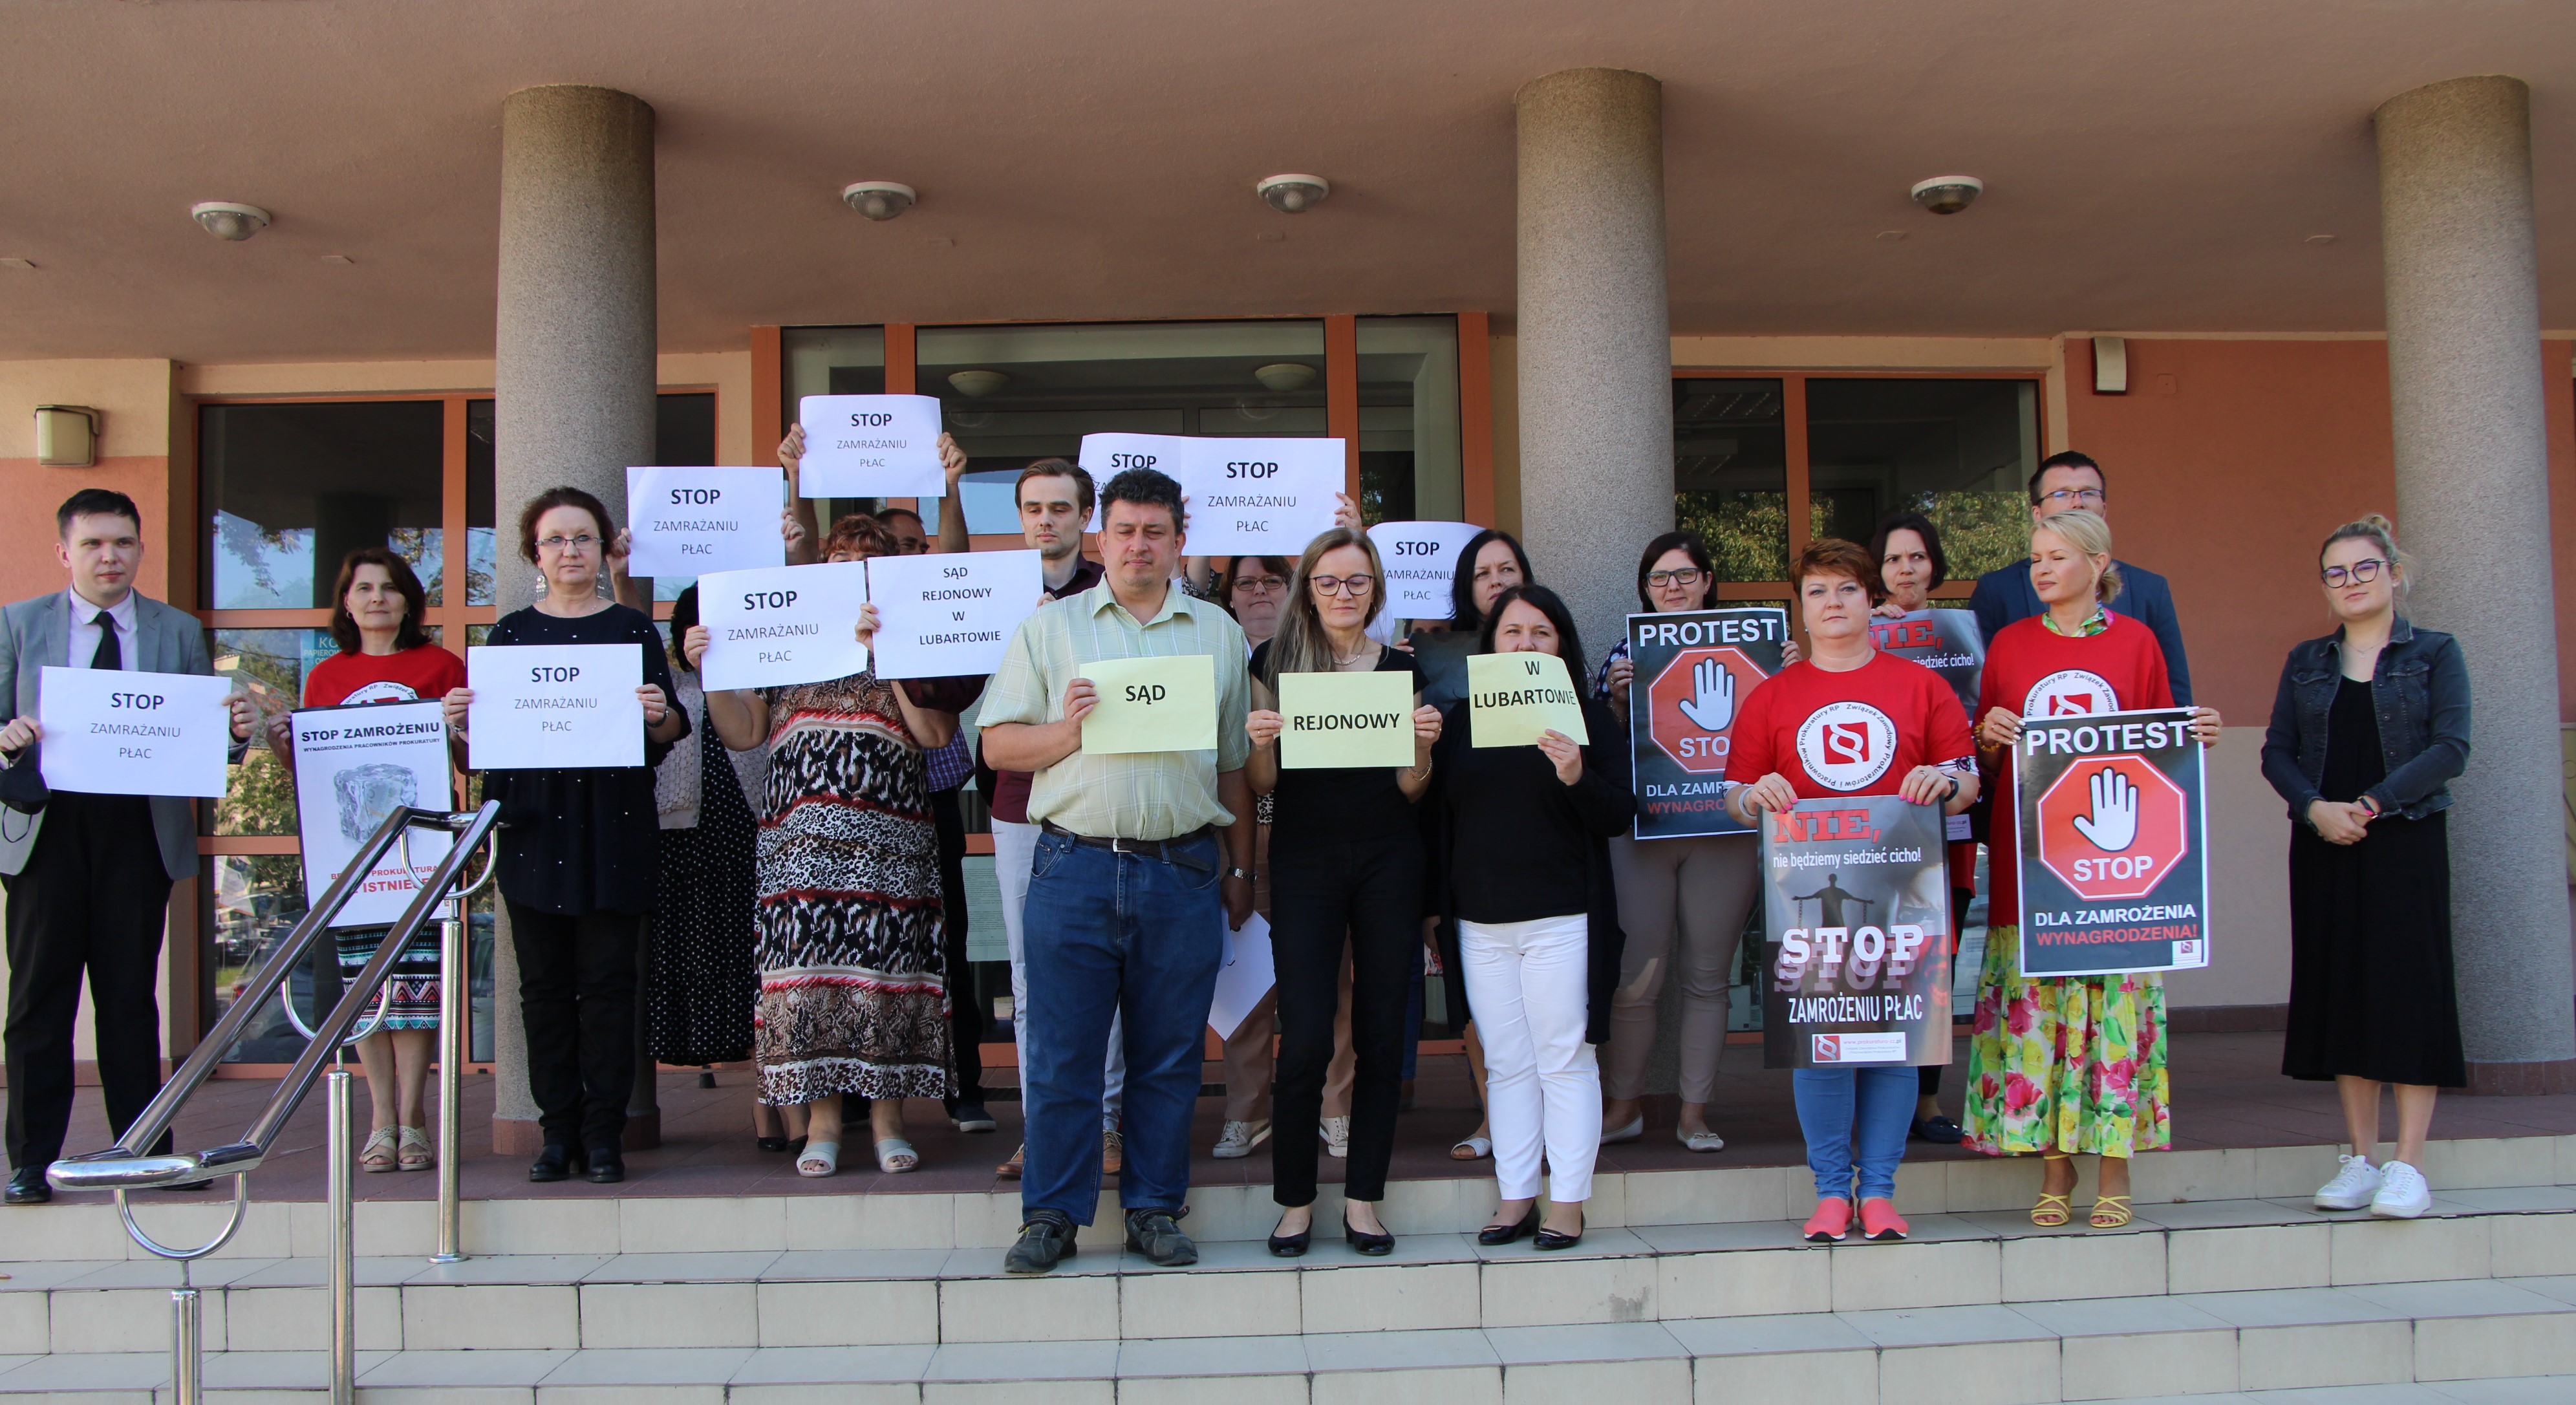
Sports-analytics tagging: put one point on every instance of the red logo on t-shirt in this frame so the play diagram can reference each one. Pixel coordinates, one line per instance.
(1847, 742)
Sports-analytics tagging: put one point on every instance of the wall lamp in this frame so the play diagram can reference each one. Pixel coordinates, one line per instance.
(66, 436)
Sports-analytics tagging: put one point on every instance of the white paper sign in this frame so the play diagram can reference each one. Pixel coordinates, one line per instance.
(950, 616)
(782, 626)
(110, 732)
(1246, 976)
(1245, 497)
(1421, 559)
(690, 521)
(544, 707)
(870, 446)
(353, 767)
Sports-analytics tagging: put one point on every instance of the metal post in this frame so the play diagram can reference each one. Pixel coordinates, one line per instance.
(344, 1304)
(452, 1050)
(187, 1361)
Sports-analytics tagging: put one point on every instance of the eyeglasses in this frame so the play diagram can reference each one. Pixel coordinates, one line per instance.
(2074, 497)
(1345, 585)
(2362, 571)
(584, 542)
(1659, 579)
(1259, 585)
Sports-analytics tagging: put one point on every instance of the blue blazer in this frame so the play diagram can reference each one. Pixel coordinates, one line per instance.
(2005, 595)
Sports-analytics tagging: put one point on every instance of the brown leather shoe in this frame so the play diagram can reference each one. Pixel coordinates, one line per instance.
(1113, 1152)
(1010, 1170)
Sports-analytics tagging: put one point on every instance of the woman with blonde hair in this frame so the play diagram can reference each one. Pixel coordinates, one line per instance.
(1345, 870)
(2369, 726)
(2072, 1064)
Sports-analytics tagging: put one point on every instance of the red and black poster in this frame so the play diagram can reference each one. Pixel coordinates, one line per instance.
(1858, 957)
(2114, 843)
(1693, 669)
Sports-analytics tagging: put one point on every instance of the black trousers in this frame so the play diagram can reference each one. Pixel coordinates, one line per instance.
(577, 998)
(965, 1017)
(92, 898)
(1368, 893)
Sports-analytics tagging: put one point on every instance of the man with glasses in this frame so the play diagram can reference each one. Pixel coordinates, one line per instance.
(2064, 482)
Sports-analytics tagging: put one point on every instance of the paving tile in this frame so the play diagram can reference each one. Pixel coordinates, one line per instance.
(1022, 1361)
(1391, 1296)
(1764, 1336)
(462, 1368)
(826, 1365)
(2289, 1307)
(537, 1269)
(683, 1268)
(2087, 1317)
(1390, 1351)
(1211, 1357)
(1942, 1326)
(1626, 1341)
(648, 1367)
(849, 1264)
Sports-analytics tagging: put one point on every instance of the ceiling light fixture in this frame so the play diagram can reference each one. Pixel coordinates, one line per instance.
(229, 221)
(975, 385)
(1947, 195)
(2321, 238)
(1293, 195)
(1285, 377)
(878, 200)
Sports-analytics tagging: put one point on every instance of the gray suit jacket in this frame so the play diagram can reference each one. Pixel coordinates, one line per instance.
(37, 632)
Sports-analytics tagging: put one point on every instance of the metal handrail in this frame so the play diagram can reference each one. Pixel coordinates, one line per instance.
(128, 1166)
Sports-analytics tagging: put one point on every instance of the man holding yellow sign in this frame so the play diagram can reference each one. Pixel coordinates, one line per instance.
(1115, 702)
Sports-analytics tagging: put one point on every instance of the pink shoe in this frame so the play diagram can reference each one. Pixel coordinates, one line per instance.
(1880, 1222)
(1830, 1223)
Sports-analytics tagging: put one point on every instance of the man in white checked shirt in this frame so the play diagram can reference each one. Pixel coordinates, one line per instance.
(1141, 854)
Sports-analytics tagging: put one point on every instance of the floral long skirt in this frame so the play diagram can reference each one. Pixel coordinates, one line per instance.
(2073, 1065)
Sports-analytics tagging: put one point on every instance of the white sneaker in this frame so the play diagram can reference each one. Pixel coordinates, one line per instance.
(1239, 1138)
(2403, 1194)
(1337, 1135)
(2352, 1186)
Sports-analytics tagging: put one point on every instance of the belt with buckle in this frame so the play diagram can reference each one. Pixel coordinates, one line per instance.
(1168, 850)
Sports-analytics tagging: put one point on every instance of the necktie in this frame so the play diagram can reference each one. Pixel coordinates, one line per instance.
(109, 656)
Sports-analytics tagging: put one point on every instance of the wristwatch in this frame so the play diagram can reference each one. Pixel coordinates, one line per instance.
(1952, 793)
(1243, 873)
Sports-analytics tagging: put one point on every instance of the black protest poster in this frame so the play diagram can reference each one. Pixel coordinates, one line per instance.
(1947, 642)
(1858, 959)
(2114, 852)
(1442, 655)
(1693, 670)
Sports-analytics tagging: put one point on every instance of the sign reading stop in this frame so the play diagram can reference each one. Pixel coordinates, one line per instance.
(1692, 704)
(2113, 827)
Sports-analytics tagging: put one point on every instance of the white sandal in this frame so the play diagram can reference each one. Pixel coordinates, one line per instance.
(1634, 1128)
(381, 1142)
(414, 1153)
(895, 1155)
(1702, 1140)
(1477, 1149)
(823, 1155)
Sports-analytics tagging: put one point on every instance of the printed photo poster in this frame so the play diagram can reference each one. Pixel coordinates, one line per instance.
(1857, 900)
(354, 766)
(1947, 642)
(1693, 671)
(2113, 808)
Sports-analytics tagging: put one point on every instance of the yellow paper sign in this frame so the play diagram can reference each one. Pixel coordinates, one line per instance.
(1346, 719)
(1166, 704)
(1511, 698)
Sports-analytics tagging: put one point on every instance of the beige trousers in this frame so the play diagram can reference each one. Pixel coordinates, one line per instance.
(1699, 889)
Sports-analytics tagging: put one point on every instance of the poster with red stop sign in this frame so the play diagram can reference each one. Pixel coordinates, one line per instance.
(1693, 670)
(2114, 844)
(1857, 960)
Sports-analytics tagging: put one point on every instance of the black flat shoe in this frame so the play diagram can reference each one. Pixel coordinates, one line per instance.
(554, 1163)
(1492, 1235)
(1549, 1239)
(1937, 1129)
(772, 1143)
(27, 1186)
(1373, 1245)
(1292, 1246)
(607, 1165)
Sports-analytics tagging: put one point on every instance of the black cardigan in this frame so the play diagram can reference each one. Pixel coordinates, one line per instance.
(1608, 789)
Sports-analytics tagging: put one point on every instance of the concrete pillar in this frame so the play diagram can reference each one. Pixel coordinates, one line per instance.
(573, 384)
(2467, 400)
(1596, 402)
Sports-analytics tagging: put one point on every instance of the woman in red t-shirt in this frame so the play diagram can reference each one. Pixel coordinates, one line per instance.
(1914, 743)
(2075, 1064)
(385, 656)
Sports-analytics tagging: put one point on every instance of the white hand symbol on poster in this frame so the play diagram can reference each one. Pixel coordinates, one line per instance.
(1713, 707)
(2113, 825)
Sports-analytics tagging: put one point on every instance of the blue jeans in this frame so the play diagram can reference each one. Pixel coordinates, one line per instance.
(1840, 1106)
(1115, 934)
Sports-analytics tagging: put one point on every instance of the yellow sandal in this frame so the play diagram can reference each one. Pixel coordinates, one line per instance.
(2110, 1211)
(2052, 1211)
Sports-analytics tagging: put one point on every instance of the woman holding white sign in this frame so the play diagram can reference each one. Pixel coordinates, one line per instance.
(579, 859)
(1850, 720)
(1690, 894)
(853, 973)
(385, 656)
(1344, 865)
(1530, 923)
(2073, 1064)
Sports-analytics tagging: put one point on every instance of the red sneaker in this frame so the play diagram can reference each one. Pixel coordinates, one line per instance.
(1830, 1223)
(1880, 1222)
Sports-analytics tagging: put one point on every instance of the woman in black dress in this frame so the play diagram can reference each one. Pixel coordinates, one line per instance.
(579, 855)
(2370, 725)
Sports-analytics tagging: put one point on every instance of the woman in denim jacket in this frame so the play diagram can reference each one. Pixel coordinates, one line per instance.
(2370, 725)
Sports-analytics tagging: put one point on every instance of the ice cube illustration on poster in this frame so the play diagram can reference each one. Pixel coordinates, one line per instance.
(1856, 963)
(354, 765)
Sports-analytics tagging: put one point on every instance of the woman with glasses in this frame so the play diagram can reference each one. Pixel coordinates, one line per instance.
(1347, 876)
(2066, 1065)
(1700, 888)
(579, 863)
(2369, 726)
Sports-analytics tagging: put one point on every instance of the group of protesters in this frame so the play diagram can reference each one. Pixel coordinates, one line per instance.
(781, 879)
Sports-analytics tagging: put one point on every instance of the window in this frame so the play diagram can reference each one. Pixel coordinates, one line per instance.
(1409, 444)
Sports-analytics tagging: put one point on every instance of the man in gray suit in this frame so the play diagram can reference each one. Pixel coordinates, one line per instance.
(89, 878)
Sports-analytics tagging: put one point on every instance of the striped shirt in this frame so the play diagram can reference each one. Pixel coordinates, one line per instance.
(1142, 795)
